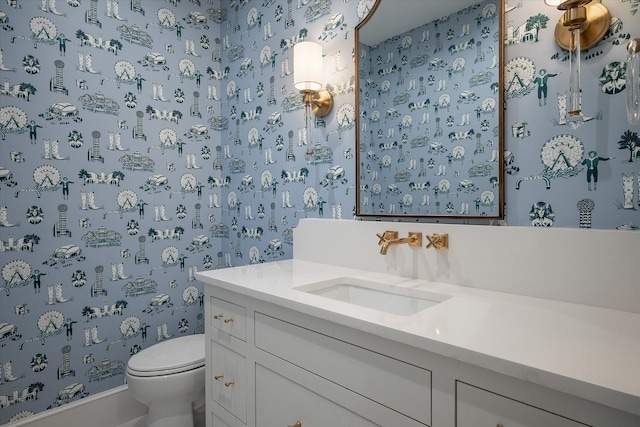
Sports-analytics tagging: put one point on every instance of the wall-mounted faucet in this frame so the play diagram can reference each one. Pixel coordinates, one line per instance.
(390, 238)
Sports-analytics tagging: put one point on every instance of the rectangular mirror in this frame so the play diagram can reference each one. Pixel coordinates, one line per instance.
(430, 109)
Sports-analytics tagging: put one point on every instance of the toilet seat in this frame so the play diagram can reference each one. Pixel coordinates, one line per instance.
(169, 357)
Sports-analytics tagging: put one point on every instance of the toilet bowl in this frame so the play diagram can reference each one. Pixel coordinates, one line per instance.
(168, 377)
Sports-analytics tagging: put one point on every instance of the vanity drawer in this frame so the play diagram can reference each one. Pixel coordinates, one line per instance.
(229, 380)
(217, 422)
(477, 407)
(229, 318)
(283, 402)
(400, 386)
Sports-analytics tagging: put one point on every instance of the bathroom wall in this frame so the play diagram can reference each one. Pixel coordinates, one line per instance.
(555, 264)
(547, 175)
(122, 174)
(108, 139)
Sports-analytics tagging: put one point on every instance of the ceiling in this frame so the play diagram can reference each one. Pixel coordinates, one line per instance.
(393, 17)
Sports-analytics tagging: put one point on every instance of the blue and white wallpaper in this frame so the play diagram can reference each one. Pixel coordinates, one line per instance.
(557, 175)
(144, 140)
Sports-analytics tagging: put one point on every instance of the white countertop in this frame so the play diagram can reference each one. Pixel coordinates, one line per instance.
(589, 352)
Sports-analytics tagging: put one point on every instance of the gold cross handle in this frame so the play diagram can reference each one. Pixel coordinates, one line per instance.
(438, 241)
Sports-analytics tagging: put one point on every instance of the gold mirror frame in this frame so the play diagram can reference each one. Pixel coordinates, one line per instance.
(361, 150)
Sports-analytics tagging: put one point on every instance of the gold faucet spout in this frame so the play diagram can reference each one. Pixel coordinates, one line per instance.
(390, 238)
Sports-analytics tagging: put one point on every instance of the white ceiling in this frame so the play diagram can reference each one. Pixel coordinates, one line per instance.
(393, 17)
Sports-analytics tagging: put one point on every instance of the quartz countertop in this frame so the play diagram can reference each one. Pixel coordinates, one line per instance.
(585, 351)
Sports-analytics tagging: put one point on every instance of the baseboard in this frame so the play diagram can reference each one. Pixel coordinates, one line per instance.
(111, 408)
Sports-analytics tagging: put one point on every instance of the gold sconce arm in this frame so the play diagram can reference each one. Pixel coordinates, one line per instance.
(592, 18)
(321, 101)
(438, 241)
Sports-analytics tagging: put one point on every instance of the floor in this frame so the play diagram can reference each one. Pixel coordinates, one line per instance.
(198, 420)
(138, 422)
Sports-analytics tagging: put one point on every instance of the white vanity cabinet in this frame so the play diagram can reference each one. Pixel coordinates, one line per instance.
(272, 366)
(278, 369)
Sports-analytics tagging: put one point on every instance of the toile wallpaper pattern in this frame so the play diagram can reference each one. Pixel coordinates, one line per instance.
(144, 140)
(556, 175)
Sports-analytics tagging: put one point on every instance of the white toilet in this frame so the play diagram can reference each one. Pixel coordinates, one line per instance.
(169, 378)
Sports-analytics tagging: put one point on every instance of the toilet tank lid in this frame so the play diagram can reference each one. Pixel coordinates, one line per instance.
(171, 354)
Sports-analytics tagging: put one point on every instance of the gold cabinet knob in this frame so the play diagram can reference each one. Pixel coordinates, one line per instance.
(499, 425)
(297, 424)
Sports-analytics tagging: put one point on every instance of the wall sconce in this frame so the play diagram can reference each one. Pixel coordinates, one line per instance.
(633, 81)
(581, 27)
(307, 75)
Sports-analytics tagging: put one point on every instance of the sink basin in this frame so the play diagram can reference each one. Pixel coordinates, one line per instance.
(376, 296)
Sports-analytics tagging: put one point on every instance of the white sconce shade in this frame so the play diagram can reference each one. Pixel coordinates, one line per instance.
(554, 3)
(307, 66)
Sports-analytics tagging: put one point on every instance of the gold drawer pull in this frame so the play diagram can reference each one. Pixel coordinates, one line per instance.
(499, 425)
(221, 376)
(297, 424)
(221, 316)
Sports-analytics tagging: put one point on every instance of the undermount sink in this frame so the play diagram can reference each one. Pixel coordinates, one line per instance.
(376, 296)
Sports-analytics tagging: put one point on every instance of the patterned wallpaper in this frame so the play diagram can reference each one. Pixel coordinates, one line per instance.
(556, 175)
(144, 140)
(109, 123)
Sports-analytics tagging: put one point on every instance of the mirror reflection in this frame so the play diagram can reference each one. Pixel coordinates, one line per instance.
(429, 109)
